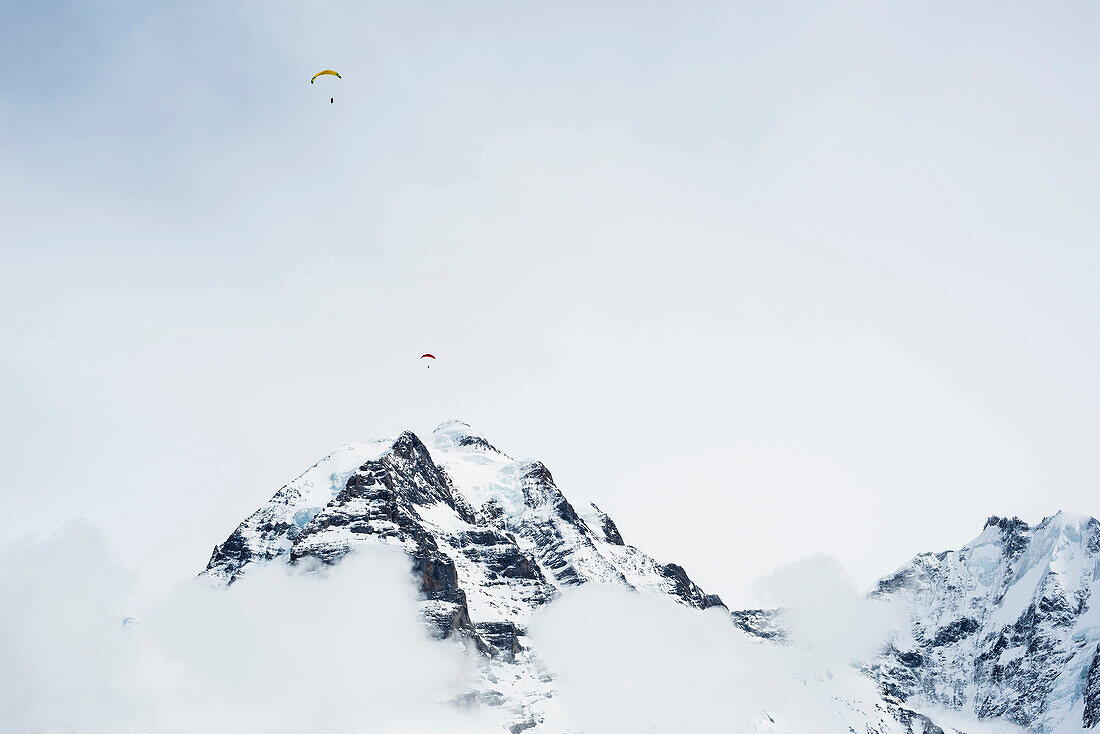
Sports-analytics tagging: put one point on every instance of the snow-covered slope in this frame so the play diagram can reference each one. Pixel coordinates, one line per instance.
(1007, 626)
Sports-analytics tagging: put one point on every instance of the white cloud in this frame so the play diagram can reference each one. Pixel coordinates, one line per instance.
(343, 650)
(282, 651)
(630, 662)
(825, 611)
(67, 661)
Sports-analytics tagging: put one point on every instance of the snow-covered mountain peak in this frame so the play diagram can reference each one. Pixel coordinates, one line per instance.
(1006, 626)
(1067, 518)
(1066, 530)
(490, 539)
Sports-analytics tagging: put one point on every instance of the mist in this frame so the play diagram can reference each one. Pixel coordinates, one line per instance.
(633, 662)
(283, 650)
(822, 609)
(345, 649)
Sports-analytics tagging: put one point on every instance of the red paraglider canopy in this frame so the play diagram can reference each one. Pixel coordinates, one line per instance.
(422, 356)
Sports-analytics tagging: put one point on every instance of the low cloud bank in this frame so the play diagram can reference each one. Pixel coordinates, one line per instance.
(825, 611)
(285, 651)
(630, 662)
(345, 650)
(65, 659)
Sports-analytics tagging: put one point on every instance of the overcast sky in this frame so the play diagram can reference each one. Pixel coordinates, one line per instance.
(761, 279)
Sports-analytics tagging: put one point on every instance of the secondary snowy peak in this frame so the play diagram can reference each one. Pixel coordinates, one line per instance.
(1007, 626)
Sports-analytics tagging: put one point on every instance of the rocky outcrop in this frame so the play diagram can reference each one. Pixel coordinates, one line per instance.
(607, 527)
(762, 623)
(1091, 715)
(686, 590)
(1004, 627)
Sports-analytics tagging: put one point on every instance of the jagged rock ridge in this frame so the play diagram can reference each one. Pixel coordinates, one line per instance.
(1005, 627)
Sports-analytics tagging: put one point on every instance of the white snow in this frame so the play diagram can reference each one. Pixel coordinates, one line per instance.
(316, 486)
(1058, 568)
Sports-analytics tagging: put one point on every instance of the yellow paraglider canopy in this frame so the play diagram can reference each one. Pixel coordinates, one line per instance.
(326, 71)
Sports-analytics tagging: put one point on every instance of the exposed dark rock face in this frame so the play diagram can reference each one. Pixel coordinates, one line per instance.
(504, 637)
(381, 499)
(763, 623)
(499, 554)
(477, 442)
(686, 589)
(1092, 693)
(232, 555)
(955, 631)
(607, 525)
